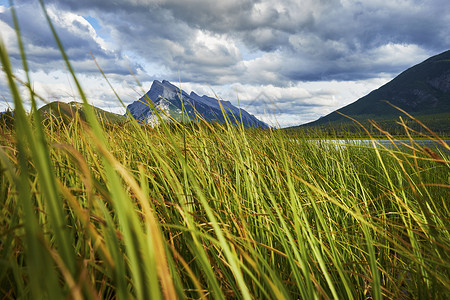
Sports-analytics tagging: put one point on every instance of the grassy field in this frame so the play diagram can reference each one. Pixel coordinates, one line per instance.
(214, 211)
(198, 211)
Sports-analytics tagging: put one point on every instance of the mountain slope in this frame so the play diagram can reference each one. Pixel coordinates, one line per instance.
(67, 111)
(422, 90)
(167, 98)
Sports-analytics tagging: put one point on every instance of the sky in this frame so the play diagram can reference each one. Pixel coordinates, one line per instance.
(287, 62)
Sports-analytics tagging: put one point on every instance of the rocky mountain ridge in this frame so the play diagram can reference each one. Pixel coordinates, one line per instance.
(168, 100)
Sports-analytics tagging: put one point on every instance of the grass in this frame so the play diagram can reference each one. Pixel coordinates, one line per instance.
(215, 211)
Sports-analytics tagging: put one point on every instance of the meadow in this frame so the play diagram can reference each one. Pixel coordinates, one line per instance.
(96, 210)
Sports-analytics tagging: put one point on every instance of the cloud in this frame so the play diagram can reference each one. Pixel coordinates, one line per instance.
(302, 54)
(307, 40)
(5, 95)
(78, 38)
(306, 100)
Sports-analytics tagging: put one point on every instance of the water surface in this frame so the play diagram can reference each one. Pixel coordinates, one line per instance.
(388, 143)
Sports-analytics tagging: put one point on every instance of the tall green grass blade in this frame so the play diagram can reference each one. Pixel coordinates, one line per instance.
(198, 210)
(37, 258)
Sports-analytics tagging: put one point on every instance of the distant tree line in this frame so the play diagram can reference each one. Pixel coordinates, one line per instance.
(438, 123)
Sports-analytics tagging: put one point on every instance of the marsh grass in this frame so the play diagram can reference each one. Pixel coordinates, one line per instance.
(198, 210)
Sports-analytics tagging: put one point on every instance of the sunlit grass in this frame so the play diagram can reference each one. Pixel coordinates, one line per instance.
(215, 211)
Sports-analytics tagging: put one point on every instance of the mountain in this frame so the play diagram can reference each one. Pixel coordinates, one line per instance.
(167, 99)
(67, 111)
(423, 91)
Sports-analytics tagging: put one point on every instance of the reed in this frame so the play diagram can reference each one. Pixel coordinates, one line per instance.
(195, 210)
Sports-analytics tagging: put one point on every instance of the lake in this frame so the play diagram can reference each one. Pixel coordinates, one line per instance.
(432, 144)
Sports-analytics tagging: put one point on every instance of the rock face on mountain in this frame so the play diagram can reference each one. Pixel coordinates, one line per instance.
(423, 89)
(167, 99)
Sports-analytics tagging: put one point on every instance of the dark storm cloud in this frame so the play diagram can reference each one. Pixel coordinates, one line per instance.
(347, 42)
(76, 34)
(153, 33)
(317, 40)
